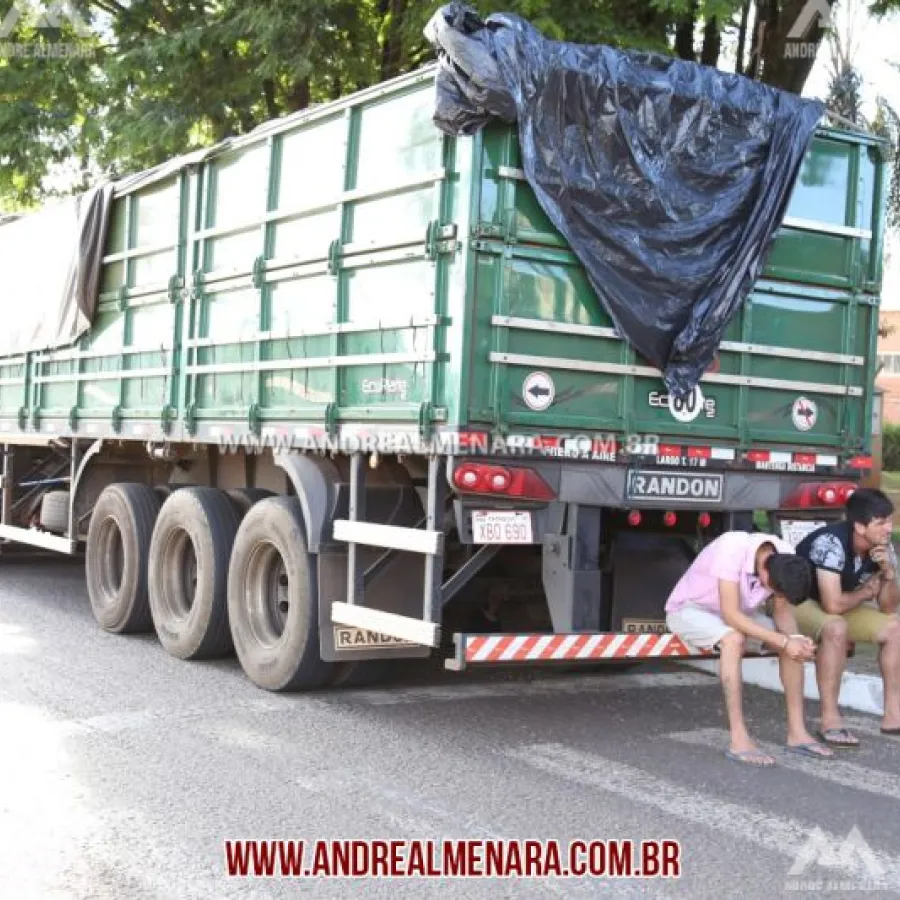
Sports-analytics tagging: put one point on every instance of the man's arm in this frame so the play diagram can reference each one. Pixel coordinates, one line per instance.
(783, 616)
(733, 615)
(889, 593)
(835, 601)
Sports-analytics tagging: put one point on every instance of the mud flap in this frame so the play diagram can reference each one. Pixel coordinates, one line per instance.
(647, 568)
(394, 583)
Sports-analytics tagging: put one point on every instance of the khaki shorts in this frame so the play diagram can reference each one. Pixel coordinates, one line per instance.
(703, 629)
(864, 624)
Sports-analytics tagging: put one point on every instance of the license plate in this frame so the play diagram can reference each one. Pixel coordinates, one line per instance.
(686, 487)
(501, 527)
(794, 530)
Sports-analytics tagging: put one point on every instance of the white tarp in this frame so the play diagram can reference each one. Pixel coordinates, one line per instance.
(50, 262)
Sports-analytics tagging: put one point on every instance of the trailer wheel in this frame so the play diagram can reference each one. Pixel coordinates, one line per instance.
(272, 599)
(188, 572)
(164, 491)
(55, 511)
(244, 498)
(116, 558)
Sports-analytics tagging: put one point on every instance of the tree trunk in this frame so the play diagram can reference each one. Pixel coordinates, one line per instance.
(787, 62)
(298, 96)
(742, 37)
(392, 48)
(712, 43)
(684, 34)
(271, 102)
(756, 41)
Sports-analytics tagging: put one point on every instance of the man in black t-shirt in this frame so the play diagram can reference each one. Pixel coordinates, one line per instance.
(855, 597)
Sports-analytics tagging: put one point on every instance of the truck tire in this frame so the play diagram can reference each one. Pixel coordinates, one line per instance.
(244, 498)
(272, 599)
(55, 512)
(188, 572)
(164, 491)
(118, 548)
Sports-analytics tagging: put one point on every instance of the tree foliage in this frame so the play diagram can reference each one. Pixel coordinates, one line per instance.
(154, 78)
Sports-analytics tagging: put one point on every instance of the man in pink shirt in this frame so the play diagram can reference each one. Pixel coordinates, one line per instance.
(719, 604)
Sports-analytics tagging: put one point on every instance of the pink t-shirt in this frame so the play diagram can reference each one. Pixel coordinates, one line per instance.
(730, 557)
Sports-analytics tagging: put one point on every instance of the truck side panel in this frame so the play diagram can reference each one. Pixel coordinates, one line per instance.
(796, 363)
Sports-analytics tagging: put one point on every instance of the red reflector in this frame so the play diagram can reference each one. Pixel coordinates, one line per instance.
(699, 452)
(480, 478)
(861, 462)
(758, 456)
(634, 518)
(669, 450)
(805, 459)
(817, 494)
(704, 520)
(670, 519)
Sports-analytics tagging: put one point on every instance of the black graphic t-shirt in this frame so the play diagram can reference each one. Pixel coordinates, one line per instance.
(831, 548)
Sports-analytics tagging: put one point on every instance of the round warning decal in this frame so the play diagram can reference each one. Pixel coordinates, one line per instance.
(686, 409)
(538, 391)
(804, 414)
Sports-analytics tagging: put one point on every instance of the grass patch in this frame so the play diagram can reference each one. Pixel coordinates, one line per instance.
(890, 484)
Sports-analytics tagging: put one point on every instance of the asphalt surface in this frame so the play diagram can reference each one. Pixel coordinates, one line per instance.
(123, 772)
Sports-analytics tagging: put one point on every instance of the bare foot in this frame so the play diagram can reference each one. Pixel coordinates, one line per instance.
(745, 751)
(804, 741)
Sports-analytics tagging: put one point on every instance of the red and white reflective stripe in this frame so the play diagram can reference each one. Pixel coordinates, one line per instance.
(825, 460)
(690, 451)
(499, 648)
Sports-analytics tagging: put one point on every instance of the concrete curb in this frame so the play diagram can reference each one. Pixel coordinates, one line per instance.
(864, 693)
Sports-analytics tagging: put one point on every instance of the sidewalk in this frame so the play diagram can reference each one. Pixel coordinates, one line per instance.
(861, 687)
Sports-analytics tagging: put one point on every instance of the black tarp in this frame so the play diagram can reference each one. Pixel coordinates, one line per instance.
(668, 179)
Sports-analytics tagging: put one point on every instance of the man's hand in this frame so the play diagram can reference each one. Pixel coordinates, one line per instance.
(881, 556)
(800, 648)
(870, 589)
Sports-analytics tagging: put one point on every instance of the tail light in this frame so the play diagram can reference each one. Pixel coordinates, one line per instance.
(670, 519)
(818, 494)
(503, 481)
(634, 518)
(704, 520)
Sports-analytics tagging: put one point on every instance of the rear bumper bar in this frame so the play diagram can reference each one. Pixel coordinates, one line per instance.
(586, 647)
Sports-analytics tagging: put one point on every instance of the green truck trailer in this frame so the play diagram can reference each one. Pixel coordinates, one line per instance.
(341, 394)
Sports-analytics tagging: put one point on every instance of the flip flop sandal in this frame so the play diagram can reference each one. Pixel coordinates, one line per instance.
(809, 750)
(839, 738)
(751, 758)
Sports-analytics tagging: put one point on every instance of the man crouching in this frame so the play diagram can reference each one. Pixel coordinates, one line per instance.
(718, 604)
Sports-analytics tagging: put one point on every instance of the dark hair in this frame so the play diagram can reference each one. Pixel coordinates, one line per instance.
(790, 575)
(866, 504)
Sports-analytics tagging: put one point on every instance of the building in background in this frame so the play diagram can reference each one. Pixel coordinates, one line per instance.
(889, 357)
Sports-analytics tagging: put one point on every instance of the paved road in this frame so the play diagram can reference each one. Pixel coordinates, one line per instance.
(123, 771)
